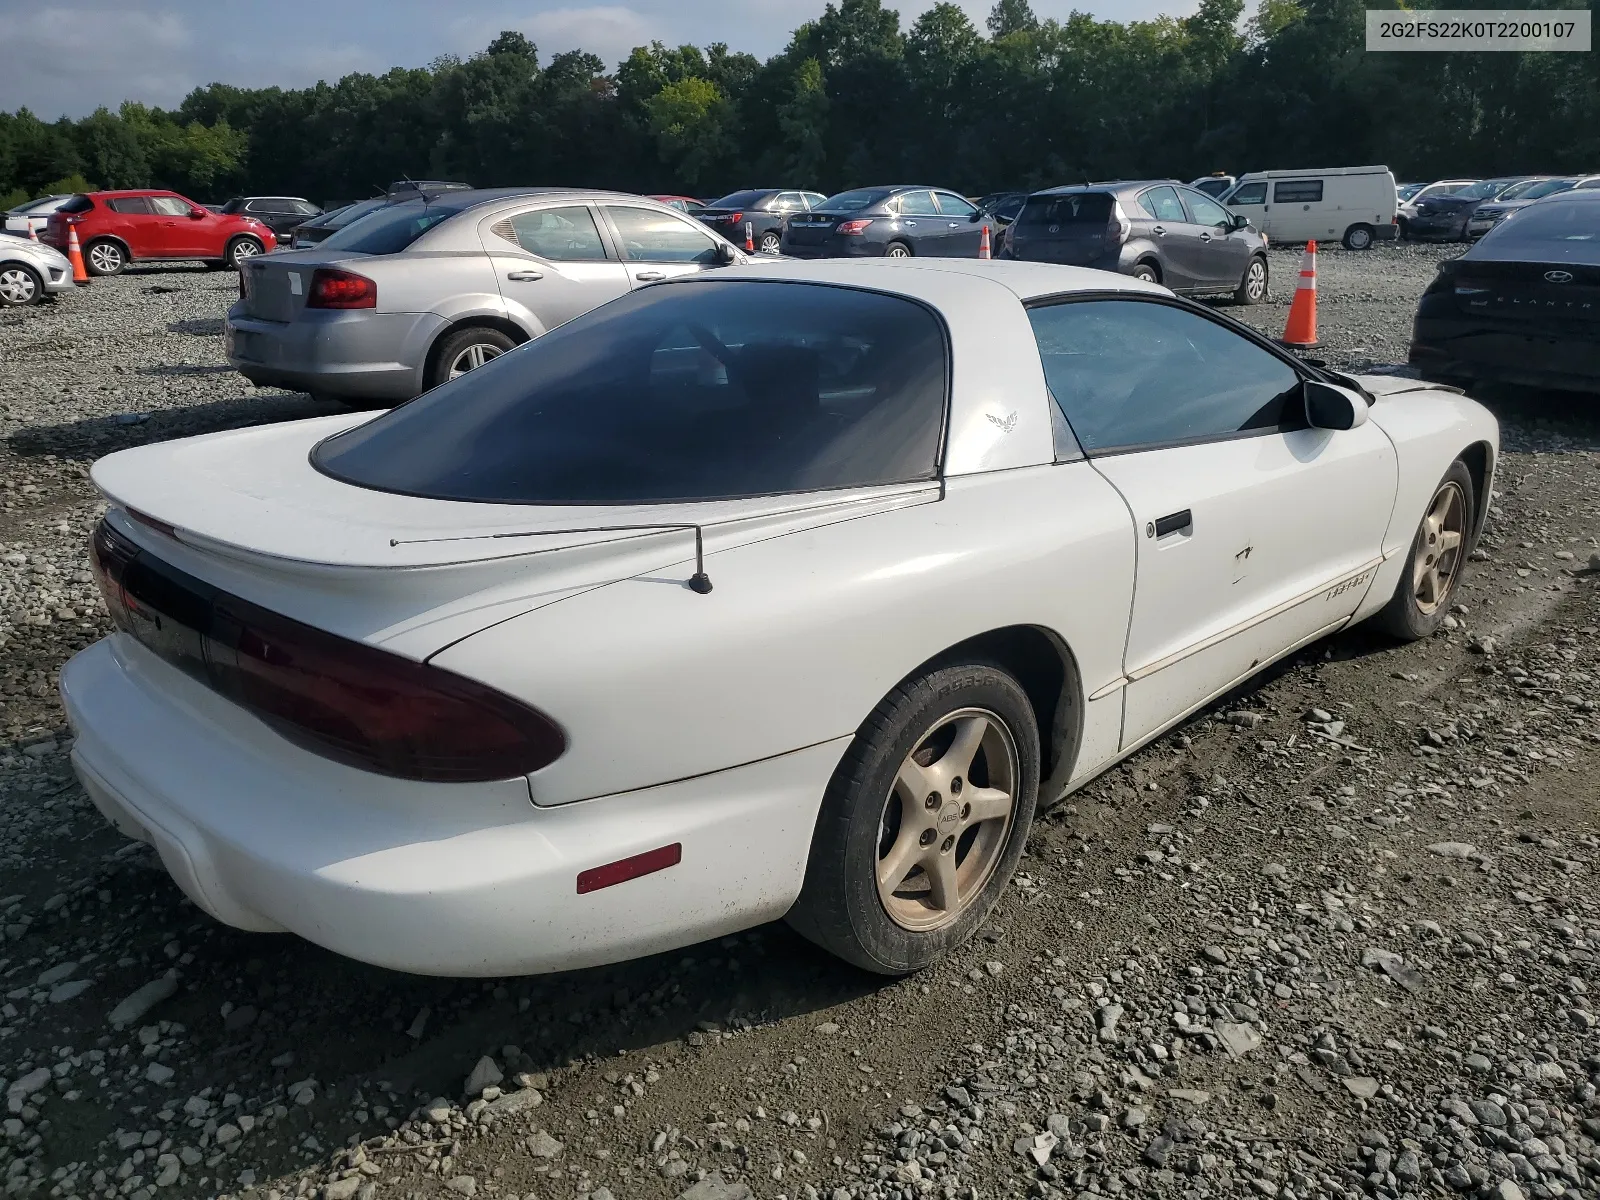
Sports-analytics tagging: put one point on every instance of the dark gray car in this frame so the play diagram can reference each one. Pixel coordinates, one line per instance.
(419, 292)
(893, 221)
(1152, 229)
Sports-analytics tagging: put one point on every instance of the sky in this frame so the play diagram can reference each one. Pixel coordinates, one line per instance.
(69, 58)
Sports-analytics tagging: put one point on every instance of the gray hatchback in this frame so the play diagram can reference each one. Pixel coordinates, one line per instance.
(1155, 229)
(417, 293)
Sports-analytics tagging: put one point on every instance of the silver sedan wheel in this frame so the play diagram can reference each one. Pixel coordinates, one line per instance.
(105, 258)
(946, 820)
(1444, 529)
(1255, 280)
(472, 356)
(18, 286)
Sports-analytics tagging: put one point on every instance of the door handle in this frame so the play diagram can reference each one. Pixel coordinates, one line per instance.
(650, 276)
(1171, 523)
(1159, 231)
(527, 276)
(1205, 237)
(955, 224)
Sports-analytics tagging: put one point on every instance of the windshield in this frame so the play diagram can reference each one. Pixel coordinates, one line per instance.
(1558, 224)
(747, 199)
(1547, 187)
(1481, 190)
(853, 201)
(1518, 191)
(391, 229)
(1410, 190)
(700, 391)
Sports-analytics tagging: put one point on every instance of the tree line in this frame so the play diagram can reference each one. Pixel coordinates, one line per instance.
(855, 98)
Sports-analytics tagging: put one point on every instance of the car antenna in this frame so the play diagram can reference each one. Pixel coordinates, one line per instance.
(699, 582)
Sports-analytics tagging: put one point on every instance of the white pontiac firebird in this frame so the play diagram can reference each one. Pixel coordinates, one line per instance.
(749, 595)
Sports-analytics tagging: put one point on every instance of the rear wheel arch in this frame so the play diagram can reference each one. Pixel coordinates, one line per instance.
(1151, 261)
(1043, 663)
(113, 239)
(1479, 459)
(504, 325)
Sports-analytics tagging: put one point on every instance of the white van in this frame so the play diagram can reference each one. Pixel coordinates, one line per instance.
(1357, 205)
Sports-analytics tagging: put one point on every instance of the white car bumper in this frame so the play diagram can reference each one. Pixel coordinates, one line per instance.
(464, 879)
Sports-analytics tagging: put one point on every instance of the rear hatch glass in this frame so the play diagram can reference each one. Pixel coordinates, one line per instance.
(1076, 228)
(78, 204)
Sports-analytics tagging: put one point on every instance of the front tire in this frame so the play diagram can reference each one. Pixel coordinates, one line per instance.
(240, 249)
(1433, 568)
(465, 350)
(105, 257)
(20, 284)
(923, 821)
(1253, 287)
(1358, 237)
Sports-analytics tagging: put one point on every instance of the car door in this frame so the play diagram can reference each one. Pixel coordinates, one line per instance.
(552, 264)
(179, 233)
(1176, 239)
(1297, 209)
(658, 245)
(130, 218)
(963, 225)
(921, 224)
(1255, 533)
(1224, 252)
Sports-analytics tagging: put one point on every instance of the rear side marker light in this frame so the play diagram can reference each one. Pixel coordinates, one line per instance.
(625, 869)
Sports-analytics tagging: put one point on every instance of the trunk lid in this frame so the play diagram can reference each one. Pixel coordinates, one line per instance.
(275, 286)
(247, 512)
(812, 229)
(1528, 291)
(1076, 229)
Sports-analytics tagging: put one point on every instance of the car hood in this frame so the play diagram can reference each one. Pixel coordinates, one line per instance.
(31, 251)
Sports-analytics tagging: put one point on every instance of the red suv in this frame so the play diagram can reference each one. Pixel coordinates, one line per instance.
(116, 228)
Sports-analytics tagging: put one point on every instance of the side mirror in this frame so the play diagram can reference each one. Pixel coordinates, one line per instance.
(198, 214)
(1240, 221)
(726, 254)
(1330, 407)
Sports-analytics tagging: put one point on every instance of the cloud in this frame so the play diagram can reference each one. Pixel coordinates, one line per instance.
(53, 57)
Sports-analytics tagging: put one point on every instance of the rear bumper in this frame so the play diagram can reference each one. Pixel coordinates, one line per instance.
(837, 247)
(1465, 351)
(461, 880)
(375, 356)
(1386, 233)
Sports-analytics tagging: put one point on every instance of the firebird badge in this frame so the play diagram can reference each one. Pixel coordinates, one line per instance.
(1007, 423)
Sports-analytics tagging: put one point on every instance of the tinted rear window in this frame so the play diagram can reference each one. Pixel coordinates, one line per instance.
(699, 391)
(740, 199)
(1077, 208)
(854, 201)
(1557, 225)
(391, 229)
(353, 213)
(76, 205)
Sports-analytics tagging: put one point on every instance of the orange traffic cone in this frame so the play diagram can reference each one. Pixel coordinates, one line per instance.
(749, 238)
(983, 244)
(75, 256)
(33, 234)
(1301, 331)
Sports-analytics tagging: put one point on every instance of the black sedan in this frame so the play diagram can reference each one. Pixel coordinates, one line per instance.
(1523, 305)
(762, 209)
(899, 221)
(1153, 229)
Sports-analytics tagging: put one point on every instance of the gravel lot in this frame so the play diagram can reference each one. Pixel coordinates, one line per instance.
(1336, 937)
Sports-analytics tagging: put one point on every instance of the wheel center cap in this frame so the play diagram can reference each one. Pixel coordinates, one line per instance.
(950, 815)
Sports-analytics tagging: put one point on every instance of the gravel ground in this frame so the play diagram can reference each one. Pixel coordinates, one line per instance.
(1336, 937)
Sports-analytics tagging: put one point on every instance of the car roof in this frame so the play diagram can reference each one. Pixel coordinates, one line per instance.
(115, 192)
(1110, 185)
(477, 196)
(923, 278)
(1571, 196)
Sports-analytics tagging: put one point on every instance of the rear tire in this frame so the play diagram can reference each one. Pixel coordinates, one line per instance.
(241, 248)
(105, 257)
(1433, 568)
(1358, 237)
(897, 250)
(770, 243)
(1146, 272)
(465, 349)
(20, 285)
(1253, 287)
(910, 855)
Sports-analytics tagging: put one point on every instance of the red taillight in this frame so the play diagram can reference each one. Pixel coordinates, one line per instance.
(341, 699)
(852, 227)
(333, 288)
(733, 218)
(625, 869)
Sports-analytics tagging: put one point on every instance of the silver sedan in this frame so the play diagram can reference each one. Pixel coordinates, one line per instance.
(30, 271)
(417, 293)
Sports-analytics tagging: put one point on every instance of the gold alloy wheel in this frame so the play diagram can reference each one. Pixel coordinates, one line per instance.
(1443, 532)
(947, 819)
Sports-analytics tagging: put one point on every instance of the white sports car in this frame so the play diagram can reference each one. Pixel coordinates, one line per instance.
(746, 596)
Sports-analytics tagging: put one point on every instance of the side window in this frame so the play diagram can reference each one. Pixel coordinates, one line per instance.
(918, 204)
(651, 236)
(1297, 191)
(954, 206)
(169, 206)
(305, 208)
(1163, 204)
(1204, 210)
(813, 199)
(1133, 375)
(788, 202)
(1249, 193)
(557, 234)
(129, 205)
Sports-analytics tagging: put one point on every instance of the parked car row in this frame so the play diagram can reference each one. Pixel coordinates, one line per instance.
(1459, 210)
